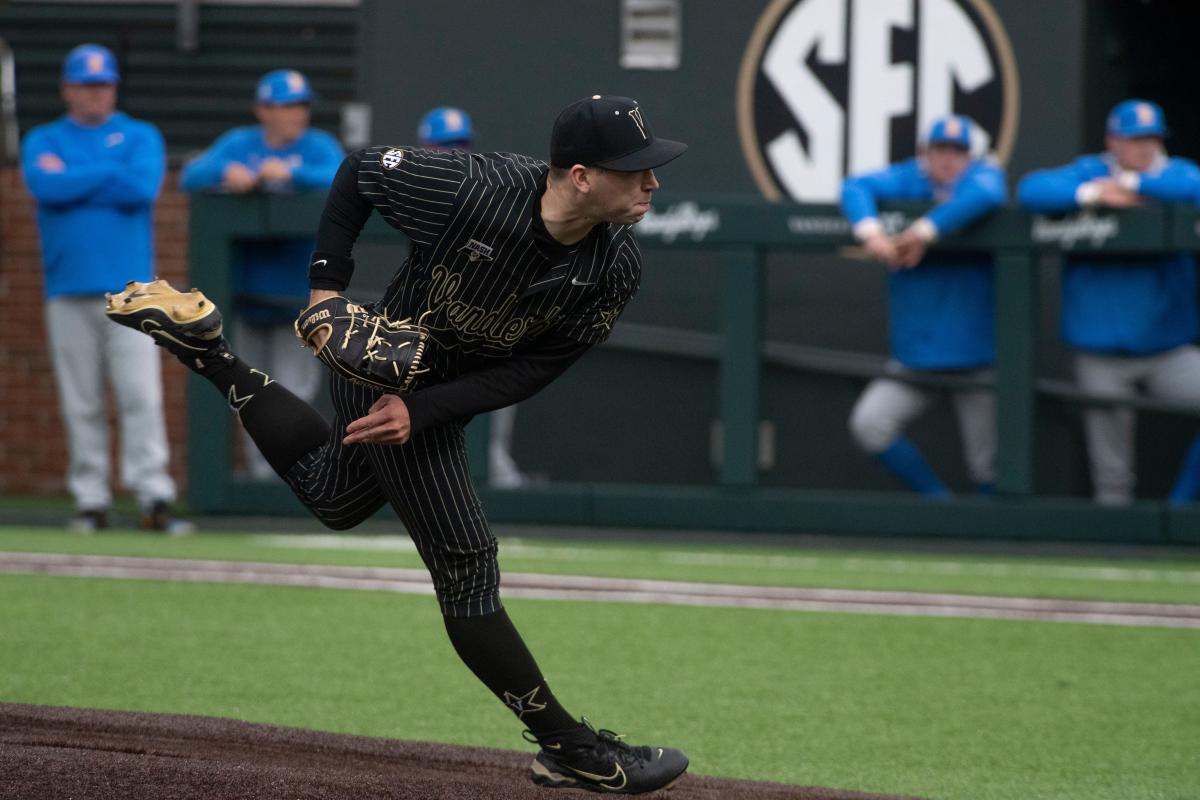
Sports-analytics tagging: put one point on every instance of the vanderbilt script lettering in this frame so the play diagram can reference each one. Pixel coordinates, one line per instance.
(495, 326)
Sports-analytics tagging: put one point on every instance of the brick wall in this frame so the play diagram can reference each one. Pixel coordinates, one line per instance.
(33, 451)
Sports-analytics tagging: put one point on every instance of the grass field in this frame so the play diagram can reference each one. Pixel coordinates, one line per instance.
(941, 708)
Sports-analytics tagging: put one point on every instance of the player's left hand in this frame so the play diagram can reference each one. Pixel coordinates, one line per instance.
(386, 422)
(274, 169)
(910, 249)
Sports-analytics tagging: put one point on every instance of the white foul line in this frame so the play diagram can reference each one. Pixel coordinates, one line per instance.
(569, 587)
(516, 548)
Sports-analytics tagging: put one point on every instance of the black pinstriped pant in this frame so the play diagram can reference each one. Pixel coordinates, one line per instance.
(427, 483)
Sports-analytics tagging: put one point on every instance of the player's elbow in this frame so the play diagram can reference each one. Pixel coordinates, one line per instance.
(1031, 193)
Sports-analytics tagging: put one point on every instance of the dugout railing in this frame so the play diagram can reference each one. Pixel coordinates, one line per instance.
(741, 232)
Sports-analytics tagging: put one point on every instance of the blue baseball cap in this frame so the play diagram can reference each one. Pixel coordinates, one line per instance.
(1137, 118)
(953, 130)
(283, 86)
(90, 63)
(445, 125)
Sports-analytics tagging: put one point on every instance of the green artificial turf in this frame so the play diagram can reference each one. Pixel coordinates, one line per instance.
(940, 708)
(1145, 580)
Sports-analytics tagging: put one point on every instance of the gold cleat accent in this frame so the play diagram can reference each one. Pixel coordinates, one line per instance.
(183, 307)
(186, 323)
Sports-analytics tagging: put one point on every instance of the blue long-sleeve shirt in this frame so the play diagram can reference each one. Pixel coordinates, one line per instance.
(95, 215)
(1122, 305)
(270, 275)
(941, 312)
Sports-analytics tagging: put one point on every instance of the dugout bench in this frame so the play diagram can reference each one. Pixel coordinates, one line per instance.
(742, 231)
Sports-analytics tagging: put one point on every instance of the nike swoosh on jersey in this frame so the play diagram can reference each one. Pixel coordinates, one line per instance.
(320, 263)
(577, 282)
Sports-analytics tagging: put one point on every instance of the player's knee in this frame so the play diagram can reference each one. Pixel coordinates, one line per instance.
(336, 523)
(870, 431)
(468, 583)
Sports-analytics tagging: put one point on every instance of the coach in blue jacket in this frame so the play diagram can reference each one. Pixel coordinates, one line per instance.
(940, 306)
(95, 174)
(280, 154)
(1131, 319)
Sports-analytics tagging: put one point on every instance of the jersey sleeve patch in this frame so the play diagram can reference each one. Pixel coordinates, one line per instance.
(391, 159)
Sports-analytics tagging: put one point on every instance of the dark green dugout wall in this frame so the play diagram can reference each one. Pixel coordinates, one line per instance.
(513, 65)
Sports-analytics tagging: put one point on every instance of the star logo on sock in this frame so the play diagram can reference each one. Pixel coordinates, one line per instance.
(523, 704)
(237, 403)
(267, 379)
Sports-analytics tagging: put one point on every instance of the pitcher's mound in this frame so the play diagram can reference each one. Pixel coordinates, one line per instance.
(86, 754)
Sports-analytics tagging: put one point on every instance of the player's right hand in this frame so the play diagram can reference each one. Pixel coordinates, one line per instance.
(274, 169)
(881, 248)
(386, 422)
(1114, 195)
(238, 178)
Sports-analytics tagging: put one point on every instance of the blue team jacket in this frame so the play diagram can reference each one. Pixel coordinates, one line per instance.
(266, 269)
(1122, 305)
(94, 217)
(941, 312)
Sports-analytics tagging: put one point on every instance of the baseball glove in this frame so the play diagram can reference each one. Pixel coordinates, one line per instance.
(366, 348)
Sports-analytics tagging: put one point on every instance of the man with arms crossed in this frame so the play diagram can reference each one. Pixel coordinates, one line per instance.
(95, 174)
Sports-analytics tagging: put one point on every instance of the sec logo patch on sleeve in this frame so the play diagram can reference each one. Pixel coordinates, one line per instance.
(391, 159)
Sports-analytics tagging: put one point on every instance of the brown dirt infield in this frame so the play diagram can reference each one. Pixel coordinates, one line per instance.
(85, 754)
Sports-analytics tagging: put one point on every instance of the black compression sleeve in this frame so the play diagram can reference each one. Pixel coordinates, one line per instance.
(510, 381)
(346, 211)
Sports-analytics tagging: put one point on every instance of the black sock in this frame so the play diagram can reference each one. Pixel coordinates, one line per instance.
(282, 425)
(491, 647)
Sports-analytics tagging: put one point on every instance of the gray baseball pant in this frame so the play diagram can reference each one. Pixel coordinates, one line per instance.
(1173, 375)
(87, 349)
(887, 406)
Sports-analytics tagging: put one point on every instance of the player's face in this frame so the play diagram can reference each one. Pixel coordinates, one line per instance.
(1135, 153)
(946, 162)
(622, 197)
(90, 103)
(284, 123)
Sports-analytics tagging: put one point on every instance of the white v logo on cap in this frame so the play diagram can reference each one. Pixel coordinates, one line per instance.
(636, 115)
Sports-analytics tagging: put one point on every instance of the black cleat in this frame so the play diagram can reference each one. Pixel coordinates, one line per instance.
(157, 517)
(185, 323)
(604, 763)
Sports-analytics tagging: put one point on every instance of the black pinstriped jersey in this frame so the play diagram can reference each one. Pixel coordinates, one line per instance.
(483, 275)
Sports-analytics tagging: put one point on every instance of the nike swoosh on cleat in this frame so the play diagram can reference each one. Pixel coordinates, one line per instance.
(603, 780)
(320, 263)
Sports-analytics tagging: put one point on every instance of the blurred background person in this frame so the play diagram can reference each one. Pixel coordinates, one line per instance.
(940, 307)
(1132, 320)
(448, 128)
(280, 154)
(95, 173)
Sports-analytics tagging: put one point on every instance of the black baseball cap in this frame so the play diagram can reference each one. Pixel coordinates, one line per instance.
(608, 131)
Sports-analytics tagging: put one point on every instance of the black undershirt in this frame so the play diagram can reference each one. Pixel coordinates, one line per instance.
(511, 380)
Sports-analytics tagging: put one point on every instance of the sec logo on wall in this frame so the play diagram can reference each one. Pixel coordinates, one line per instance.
(834, 87)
